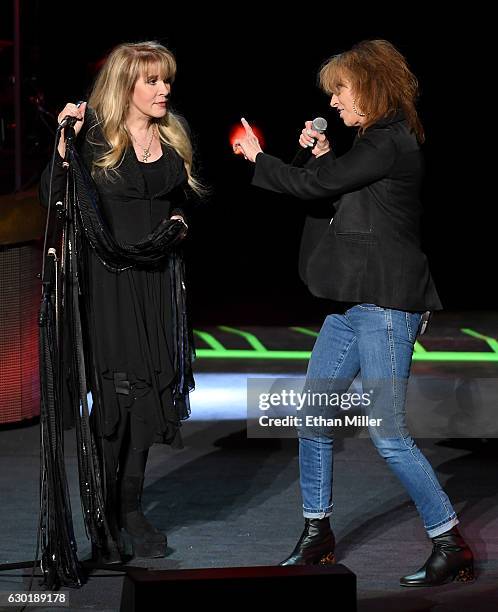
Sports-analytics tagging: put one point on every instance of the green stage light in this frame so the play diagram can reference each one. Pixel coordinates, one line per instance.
(216, 349)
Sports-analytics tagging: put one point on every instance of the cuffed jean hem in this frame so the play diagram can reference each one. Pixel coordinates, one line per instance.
(435, 531)
(317, 514)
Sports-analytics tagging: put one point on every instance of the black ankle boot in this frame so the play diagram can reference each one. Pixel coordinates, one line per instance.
(143, 542)
(451, 559)
(146, 540)
(315, 546)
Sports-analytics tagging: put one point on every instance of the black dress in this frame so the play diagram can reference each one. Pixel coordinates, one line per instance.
(133, 335)
(129, 313)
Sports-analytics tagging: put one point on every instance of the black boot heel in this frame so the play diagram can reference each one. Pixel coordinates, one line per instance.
(466, 574)
(315, 546)
(328, 559)
(451, 559)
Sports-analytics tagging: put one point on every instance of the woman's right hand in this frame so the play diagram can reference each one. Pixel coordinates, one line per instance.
(73, 111)
(306, 139)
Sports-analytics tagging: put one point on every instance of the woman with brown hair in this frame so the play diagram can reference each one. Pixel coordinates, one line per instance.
(369, 262)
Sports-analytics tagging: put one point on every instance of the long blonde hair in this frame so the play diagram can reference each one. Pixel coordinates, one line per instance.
(110, 97)
(380, 78)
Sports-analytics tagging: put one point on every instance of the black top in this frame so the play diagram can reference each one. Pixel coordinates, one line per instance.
(152, 174)
(370, 251)
(130, 315)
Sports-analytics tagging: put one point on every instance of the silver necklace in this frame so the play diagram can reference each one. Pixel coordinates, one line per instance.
(146, 150)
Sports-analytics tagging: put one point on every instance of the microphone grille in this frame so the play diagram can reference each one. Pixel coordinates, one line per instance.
(319, 124)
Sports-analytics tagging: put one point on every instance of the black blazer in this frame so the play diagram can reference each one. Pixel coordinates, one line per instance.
(370, 251)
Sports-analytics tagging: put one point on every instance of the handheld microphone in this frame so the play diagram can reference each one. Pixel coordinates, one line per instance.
(68, 124)
(69, 121)
(319, 124)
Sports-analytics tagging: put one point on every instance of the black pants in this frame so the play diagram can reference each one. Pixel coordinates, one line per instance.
(120, 459)
(122, 465)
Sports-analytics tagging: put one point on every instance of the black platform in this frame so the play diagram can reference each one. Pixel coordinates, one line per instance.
(229, 588)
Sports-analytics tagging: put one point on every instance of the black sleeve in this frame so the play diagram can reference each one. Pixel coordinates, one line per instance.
(369, 160)
(182, 200)
(317, 162)
(58, 182)
(177, 210)
(59, 174)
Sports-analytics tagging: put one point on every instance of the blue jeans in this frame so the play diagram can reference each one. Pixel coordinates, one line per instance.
(378, 342)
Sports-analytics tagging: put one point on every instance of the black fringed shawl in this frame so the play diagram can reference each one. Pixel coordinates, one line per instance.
(66, 359)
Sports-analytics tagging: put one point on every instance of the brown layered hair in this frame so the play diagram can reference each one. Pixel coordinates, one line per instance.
(381, 81)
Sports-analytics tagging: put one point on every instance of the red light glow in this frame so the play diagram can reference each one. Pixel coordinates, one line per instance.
(238, 132)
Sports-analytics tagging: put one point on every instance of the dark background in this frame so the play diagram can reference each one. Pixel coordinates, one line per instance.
(246, 61)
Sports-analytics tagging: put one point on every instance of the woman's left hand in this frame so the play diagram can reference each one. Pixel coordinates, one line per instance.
(249, 145)
(309, 136)
(185, 226)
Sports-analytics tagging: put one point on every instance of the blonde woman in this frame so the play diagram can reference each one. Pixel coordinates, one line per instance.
(370, 265)
(139, 154)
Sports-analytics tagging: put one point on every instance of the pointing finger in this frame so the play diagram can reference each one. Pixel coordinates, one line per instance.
(247, 127)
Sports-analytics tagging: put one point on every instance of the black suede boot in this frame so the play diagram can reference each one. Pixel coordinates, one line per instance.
(147, 541)
(451, 559)
(315, 546)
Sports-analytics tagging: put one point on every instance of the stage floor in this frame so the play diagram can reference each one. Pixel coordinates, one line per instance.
(228, 500)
